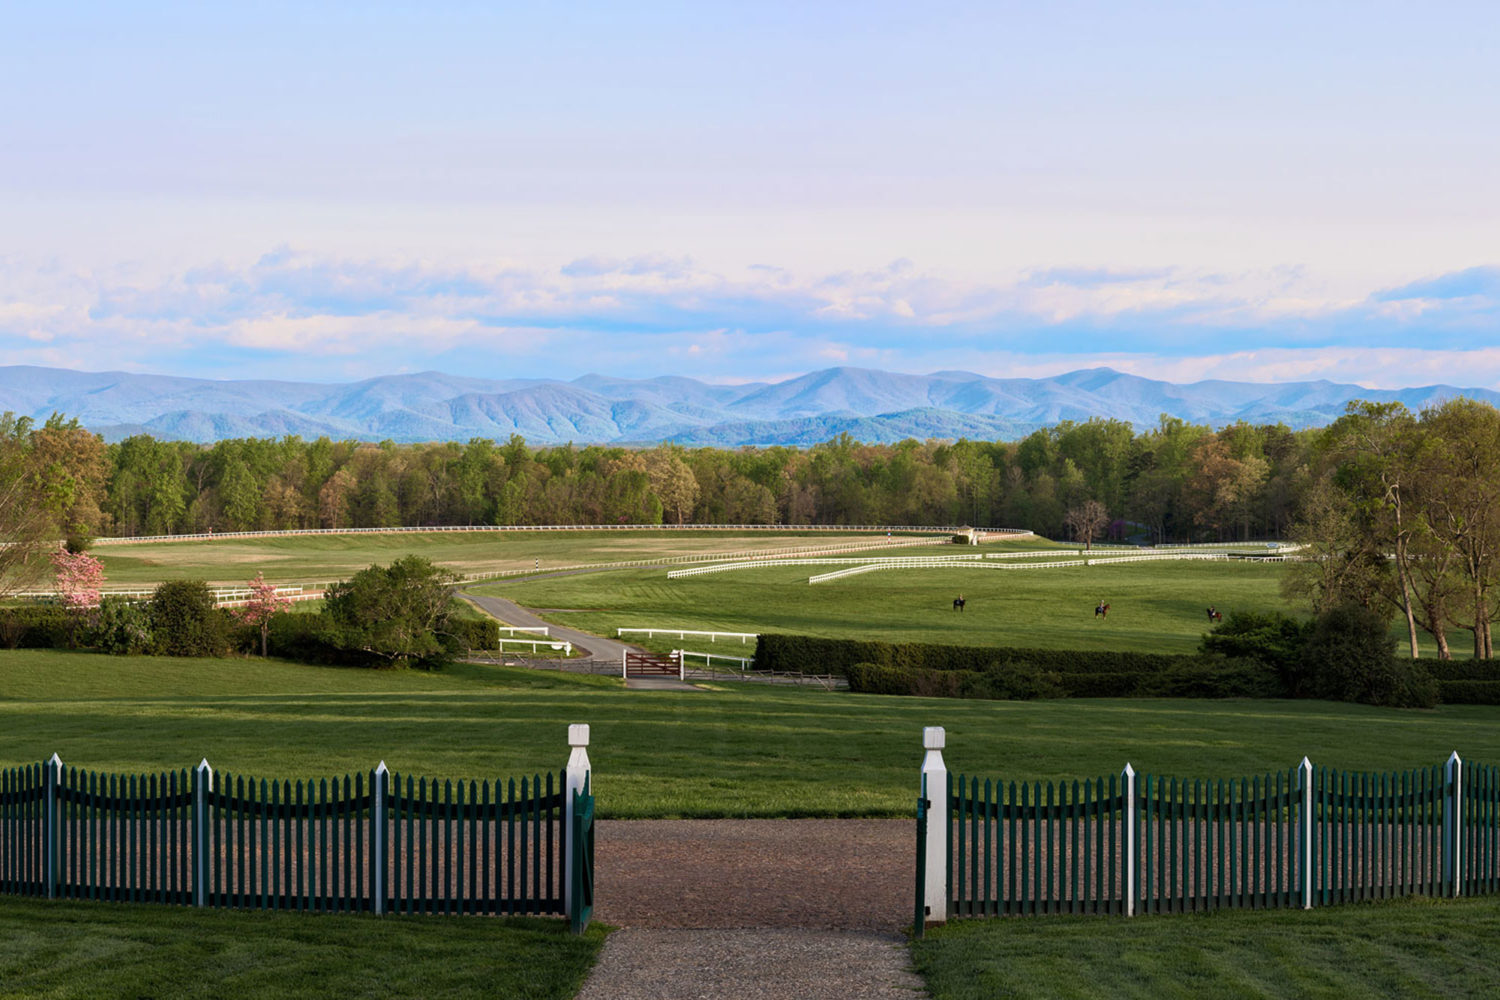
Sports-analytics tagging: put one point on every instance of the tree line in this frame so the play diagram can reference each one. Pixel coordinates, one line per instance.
(1174, 482)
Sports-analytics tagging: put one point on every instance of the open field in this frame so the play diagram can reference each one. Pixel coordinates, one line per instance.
(312, 558)
(1409, 948)
(1155, 606)
(102, 950)
(743, 750)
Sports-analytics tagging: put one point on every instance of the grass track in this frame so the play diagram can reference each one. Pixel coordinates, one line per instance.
(106, 951)
(1437, 949)
(743, 750)
(313, 558)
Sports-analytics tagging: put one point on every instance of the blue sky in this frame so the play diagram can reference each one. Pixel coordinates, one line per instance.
(732, 192)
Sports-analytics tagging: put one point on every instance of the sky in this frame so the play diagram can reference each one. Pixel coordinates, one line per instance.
(737, 192)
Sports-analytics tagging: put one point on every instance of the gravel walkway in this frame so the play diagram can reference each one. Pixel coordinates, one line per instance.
(801, 908)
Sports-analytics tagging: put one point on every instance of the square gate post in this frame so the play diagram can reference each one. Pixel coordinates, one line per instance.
(52, 823)
(935, 790)
(1305, 831)
(203, 783)
(576, 780)
(1453, 830)
(1128, 840)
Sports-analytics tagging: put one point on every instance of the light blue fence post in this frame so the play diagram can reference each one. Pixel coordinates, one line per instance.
(1128, 840)
(379, 843)
(1305, 832)
(203, 783)
(937, 892)
(52, 823)
(1453, 827)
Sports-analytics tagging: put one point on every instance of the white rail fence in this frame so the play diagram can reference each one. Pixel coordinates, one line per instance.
(742, 662)
(743, 637)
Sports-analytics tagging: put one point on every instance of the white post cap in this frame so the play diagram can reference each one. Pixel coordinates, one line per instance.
(1454, 757)
(56, 761)
(933, 738)
(1128, 770)
(382, 769)
(578, 734)
(203, 765)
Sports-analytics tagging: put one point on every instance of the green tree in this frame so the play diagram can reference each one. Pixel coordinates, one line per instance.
(396, 615)
(185, 620)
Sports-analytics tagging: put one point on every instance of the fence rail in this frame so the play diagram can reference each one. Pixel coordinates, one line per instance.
(420, 529)
(743, 637)
(372, 842)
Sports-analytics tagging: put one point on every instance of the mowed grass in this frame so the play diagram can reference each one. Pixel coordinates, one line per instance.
(1440, 949)
(1155, 606)
(739, 750)
(318, 558)
(106, 951)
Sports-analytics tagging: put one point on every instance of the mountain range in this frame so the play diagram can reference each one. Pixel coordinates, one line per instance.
(872, 406)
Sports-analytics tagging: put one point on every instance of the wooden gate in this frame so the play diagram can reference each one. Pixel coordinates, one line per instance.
(649, 665)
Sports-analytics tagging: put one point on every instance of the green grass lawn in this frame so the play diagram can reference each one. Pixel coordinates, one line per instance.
(739, 750)
(107, 951)
(316, 558)
(1156, 606)
(1441, 949)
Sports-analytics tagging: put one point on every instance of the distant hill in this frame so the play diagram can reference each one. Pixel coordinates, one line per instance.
(869, 405)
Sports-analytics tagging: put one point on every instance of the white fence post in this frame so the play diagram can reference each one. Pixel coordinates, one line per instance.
(379, 843)
(1128, 780)
(935, 782)
(1305, 772)
(682, 664)
(577, 776)
(1453, 830)
(52, 822)
(203, 784)
(624, 661)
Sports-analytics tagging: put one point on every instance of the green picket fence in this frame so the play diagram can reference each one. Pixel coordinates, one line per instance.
(373, 842)
(1301, 837)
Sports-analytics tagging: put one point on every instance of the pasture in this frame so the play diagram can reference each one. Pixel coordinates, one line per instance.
(1156, 606)
(735, 751)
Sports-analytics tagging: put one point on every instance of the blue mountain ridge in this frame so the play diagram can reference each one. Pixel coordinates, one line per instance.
(870, 405)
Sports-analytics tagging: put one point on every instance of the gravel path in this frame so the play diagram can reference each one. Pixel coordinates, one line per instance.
(730, 909)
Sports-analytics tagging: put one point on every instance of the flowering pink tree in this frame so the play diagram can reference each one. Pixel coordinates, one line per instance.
(264, 602)
(79, 576)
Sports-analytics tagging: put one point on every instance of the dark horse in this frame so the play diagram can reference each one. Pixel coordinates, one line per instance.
(958, 603)
(1214, 615)
(1102, 611)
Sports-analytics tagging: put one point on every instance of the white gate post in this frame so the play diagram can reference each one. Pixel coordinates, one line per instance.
(1453, 831)
(1304, 770)
(1128, 780)
(577, 776)
(624, 661)
(935, 786)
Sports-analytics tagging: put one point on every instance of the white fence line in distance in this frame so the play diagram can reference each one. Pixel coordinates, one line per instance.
(743, 637)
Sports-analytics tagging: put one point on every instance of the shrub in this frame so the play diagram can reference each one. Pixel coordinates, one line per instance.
(476, 633)
(1216, 678)
(1273, 639)
(122, 628)
(1469, 692)
(1350, 657)
(185, 622)
(398, 615)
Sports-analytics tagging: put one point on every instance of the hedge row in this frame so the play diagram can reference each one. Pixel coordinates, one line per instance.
(836, 656)
(1192, 677)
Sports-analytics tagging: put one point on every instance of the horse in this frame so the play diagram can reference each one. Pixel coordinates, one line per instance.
(1214, 615)
(1102, 611)
(958, 603)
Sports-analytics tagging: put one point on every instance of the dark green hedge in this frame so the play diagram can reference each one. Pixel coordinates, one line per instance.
(836, 656)
(1463, 670)
(1191, 677)
(35, 627)
(1468, 692)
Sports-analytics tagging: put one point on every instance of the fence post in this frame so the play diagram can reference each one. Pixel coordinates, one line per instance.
(379, 844)
(52, 822)
(935, 790)
(1128, 780)
(1305, 775)
(624, 664)
(576, 778)
(1453, 830)
(682, 664)
(203, 783)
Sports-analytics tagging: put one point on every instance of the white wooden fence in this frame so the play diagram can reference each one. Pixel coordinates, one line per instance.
(743, 637)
